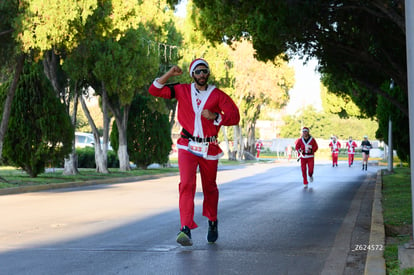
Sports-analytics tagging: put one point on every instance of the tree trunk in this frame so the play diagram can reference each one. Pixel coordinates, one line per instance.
(71, 163)
(226, 141)
(101, 151)
(251, 139)
(123, 145)
(123, 158)
(9, 99)
(121, 119)
(237, 143)
(101, 160)
(50, 68)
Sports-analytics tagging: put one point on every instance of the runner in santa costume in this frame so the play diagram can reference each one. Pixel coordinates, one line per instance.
(259, 146)
(202, 110)
(306, 146)
(335, 145)
(351, 145)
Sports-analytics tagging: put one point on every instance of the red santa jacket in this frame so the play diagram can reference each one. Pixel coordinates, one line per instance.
(307, 147)
(335, 146)
(351, 145)
(190, 104)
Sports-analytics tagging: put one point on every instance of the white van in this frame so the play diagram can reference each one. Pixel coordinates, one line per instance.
(83, 140)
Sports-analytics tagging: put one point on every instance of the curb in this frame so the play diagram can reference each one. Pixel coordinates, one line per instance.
(375, 262)
(54, 186)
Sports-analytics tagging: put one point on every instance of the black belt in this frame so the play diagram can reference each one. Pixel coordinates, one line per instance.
(187, 135)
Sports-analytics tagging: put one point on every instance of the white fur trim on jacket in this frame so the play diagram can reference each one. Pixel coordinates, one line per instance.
(203, 96)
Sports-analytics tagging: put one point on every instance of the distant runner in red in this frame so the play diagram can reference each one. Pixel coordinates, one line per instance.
(335, 145)
(202, 109)
(259, 146)
(306, 146)
(351, 145)
(289, 152)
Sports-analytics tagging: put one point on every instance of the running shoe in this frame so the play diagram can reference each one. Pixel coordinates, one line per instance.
(311, 179)
(212, 234)
(184, 237)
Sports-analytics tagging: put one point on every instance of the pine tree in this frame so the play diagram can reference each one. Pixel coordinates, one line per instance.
(40, 131)
(148, 134)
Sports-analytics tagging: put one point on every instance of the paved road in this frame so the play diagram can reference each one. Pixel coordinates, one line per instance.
(268, 224)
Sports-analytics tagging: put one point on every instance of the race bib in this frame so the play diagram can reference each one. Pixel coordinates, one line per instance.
(198, 148)
(308, 149)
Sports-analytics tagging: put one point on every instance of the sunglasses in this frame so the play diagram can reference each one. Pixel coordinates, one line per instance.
(199, 71)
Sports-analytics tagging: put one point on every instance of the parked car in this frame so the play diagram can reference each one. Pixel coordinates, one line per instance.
(83, 140)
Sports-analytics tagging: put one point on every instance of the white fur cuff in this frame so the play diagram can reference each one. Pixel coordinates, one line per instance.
(157, 84)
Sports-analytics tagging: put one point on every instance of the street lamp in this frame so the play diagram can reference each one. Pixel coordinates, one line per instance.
(390, 147)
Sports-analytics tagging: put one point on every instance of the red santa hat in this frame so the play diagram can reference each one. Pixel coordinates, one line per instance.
(195, 63)
(305, 129)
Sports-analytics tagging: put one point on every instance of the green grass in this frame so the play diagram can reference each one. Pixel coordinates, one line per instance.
(13, 177)
(397, 197)
(397, 211)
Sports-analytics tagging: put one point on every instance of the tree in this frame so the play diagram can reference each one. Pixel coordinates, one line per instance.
(10, 57)
(400, 133)
(366, 39)
(118, 56)
(149, 134)
(41, 128)
(258, 84)
(123, 67)
(42, 29)
(343, 106)
(252, 84)
(323, 125)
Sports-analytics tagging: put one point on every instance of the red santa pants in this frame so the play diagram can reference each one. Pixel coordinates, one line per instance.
(188, 163)
(335, 158)
(350, 159)
(309, 162)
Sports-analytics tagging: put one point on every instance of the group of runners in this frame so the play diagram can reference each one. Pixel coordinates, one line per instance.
(306, 146)
(351, 145)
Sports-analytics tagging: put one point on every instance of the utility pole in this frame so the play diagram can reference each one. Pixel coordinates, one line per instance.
(409, 30)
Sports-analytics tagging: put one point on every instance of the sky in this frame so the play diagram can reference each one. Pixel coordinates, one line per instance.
(180, 8)
(306, 90)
